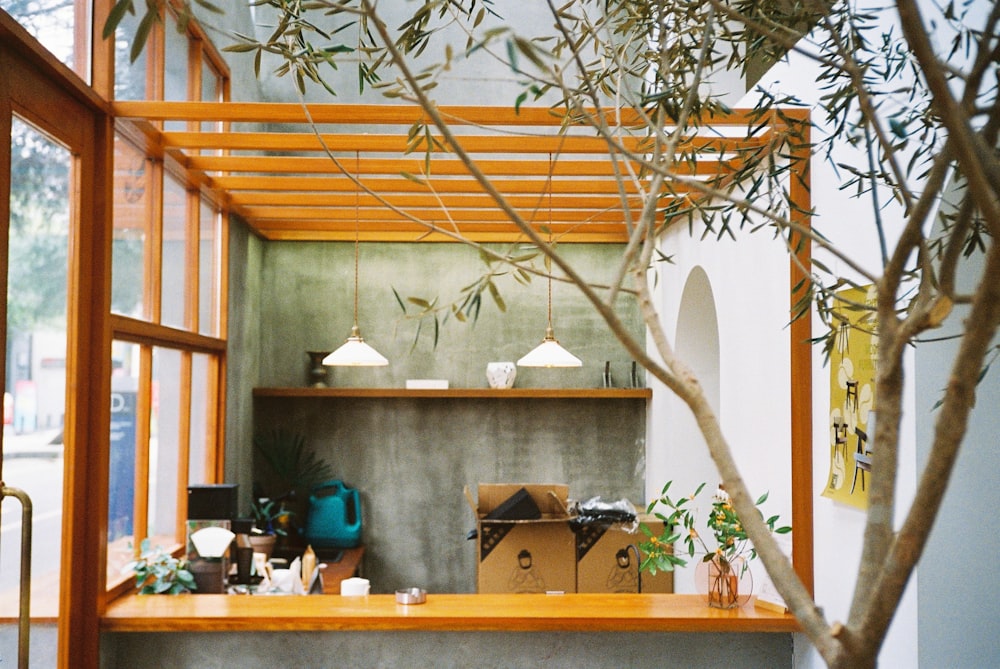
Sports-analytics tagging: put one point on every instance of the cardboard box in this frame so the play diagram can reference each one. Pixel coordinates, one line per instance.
(524, 555)
(608, 558)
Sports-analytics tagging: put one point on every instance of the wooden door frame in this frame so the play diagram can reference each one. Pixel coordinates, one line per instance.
(33, 84)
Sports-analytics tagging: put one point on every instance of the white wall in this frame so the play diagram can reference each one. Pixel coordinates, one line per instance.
(753, 385)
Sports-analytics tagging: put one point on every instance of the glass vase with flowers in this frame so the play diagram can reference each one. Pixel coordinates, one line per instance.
(726, 564)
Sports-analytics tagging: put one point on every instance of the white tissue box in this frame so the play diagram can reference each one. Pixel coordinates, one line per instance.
(427, 384)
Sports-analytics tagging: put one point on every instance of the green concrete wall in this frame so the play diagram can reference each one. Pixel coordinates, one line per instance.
(411, 458)
(306, 304)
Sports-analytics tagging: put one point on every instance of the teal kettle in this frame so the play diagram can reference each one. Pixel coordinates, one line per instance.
(334, 519)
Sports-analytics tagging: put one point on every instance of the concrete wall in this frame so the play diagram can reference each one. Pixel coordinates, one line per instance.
(411, 458)
(306, 304)
(448, 649)
(243, 355)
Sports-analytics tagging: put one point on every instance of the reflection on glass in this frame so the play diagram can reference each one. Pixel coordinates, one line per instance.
(130, 78)
(208, 270)
(164, 446)
(175, 78)
(174, 254)
(202, 417)
(35, 389)
(52, 23)
(132, 217)
(125, 374)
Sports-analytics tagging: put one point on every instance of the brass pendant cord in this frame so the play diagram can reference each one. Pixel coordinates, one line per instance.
(549, 262)
(357, 230)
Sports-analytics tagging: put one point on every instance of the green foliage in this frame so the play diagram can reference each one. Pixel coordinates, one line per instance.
(731, 541)
(516, 262)
(288, 464)
(157, 572)
(270, 516)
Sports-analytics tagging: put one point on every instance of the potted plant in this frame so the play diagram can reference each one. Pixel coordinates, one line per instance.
(285, 464)
(159, 572)
(726, 563)
(271, 520)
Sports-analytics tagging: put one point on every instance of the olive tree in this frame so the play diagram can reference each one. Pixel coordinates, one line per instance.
(923, 113)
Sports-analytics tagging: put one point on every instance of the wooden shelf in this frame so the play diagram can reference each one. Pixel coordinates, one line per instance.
(489, 393)
(448, 612)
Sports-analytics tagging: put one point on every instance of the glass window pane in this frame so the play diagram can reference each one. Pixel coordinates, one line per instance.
(133, 219)
(202, 417)
(35, 389)
(211, 84)
(208, 270)
(130, 78)
(173, 272)
(164, 446)
(175, 78)
(57, 24)
(125, 374)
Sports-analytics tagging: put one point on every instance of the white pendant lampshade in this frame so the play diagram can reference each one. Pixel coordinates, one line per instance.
(550, 352)
(355, 352)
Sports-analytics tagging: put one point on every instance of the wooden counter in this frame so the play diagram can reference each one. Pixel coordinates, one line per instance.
(464, 612)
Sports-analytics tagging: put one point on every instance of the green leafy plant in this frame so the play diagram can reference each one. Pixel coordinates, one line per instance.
(158, 572)
(289, 465)
(731, 541)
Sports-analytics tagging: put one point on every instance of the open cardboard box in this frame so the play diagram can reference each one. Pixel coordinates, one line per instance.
(516, 556)
(607, 558)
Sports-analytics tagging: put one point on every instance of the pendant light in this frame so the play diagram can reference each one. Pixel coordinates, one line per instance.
(355, 352)
(550, 352)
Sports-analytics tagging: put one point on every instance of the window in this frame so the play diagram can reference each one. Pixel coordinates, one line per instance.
(167, 307)
(62, 27)
(35, 390)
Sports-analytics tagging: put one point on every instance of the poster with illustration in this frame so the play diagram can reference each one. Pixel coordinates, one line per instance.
(852, 397)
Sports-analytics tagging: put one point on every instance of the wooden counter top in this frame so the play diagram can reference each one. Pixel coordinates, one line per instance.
(442, 612)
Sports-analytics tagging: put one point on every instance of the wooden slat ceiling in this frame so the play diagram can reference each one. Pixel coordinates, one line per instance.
(291, 180)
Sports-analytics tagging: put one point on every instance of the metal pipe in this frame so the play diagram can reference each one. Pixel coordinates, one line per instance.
(24, 610)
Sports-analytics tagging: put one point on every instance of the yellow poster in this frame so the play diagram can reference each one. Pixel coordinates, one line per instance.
(852, 396)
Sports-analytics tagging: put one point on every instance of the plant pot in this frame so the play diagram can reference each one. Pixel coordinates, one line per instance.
(263, 543)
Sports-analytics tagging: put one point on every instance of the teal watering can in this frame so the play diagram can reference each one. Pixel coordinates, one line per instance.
(334, 519)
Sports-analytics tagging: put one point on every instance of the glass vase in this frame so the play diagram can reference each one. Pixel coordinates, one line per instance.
(723, 583)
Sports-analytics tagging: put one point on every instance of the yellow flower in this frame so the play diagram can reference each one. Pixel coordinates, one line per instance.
(692, 533)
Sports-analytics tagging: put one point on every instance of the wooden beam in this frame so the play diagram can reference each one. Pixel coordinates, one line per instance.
(471, 200)
(398, 143)
(438, 167)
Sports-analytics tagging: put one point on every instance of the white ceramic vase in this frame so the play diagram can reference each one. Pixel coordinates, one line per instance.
(501, 374)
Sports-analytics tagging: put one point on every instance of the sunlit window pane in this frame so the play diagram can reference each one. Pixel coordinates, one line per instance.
(175, 80)
(132, 218)
(35, 388)
(164, 446)
(174, 255)
(203, 395)
(208, 271)
(57, 24)
(130, 78)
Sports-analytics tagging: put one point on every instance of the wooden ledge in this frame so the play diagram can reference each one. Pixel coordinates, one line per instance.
(451, 612)
(459, 393)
